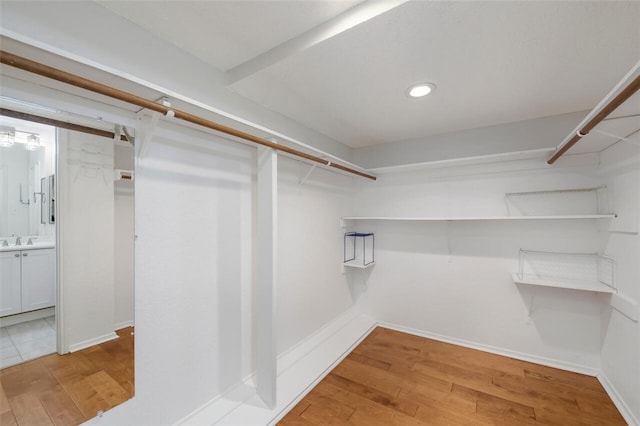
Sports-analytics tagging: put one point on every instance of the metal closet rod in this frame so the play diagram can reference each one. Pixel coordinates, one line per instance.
(93, 86)
(625, 94)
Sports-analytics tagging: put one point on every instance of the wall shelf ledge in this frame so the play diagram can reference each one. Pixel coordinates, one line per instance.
(479, 218)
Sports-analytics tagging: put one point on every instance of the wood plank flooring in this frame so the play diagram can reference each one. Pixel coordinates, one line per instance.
(68, 389)
(394, 378)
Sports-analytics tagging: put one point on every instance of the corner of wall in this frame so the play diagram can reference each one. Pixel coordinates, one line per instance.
(617, 399)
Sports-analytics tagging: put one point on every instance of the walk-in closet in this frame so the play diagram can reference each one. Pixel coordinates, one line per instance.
(321, 212)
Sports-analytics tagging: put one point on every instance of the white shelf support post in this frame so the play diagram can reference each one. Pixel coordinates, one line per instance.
(266, 274)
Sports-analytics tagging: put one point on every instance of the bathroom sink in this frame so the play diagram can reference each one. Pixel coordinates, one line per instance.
(36, 245)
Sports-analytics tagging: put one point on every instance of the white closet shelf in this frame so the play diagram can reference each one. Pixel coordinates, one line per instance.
(471, 218)
(358, 264)
(573, 285)
(575, 271)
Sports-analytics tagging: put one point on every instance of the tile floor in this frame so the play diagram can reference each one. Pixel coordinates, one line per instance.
(27, 340)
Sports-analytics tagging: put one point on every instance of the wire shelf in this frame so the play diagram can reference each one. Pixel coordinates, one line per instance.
(578, 271)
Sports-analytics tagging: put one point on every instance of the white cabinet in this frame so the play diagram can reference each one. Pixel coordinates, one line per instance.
(38, 279)
(10, 287)
(27, 280)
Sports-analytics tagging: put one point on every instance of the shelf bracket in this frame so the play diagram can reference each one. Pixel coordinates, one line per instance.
(531, 303)
(343, 223)
(151, 126)
(304, 179)
(149, 130)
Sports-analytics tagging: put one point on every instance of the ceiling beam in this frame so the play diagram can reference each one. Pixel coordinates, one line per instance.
(358, 14)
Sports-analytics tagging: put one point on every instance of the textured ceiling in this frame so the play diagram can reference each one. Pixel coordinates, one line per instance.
(493, 62)
(227, 33)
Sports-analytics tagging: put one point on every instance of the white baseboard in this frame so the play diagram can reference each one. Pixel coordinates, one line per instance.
(563, 365)
(123, 324)
(622, 406)
(92, 342)
(299, 370)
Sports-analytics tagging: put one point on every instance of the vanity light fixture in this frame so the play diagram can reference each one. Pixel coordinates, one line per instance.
(7, 136)
(33, 142)
(421, 89)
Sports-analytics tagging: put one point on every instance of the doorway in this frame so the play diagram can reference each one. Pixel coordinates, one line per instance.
(27, 240)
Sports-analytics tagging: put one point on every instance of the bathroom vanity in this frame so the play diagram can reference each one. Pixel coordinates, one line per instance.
(27, 278)
(27, 209)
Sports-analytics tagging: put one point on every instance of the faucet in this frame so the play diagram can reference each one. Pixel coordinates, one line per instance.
(30, 242)
(18, 241)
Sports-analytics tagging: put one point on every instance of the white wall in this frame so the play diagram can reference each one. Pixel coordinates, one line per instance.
(311, 289)
(545, 132)
(193, 274)
(621, 349)
(466, 293)
(124, 239)
(85, 247)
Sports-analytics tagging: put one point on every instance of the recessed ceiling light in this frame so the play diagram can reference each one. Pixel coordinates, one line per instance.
(420, 90)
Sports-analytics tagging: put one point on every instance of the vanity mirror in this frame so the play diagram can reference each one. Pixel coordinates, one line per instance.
(27, 159)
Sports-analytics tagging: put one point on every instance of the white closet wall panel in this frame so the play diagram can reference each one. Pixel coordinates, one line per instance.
(86, 205)
(621, 347)
(311, 289)
(266, 274)
(194, 208)
(124, 258)
(124, 239)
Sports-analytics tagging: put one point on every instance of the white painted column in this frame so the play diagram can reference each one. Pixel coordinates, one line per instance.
(267, 211)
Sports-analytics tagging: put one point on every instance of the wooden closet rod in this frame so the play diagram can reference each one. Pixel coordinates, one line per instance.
(58, 123)
(625, 94)
(93, 86)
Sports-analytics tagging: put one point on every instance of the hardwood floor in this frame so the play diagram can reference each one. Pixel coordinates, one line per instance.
(394, 378)
(68, 389)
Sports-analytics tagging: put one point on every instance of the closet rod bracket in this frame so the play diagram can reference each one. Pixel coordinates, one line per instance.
(149, 130)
